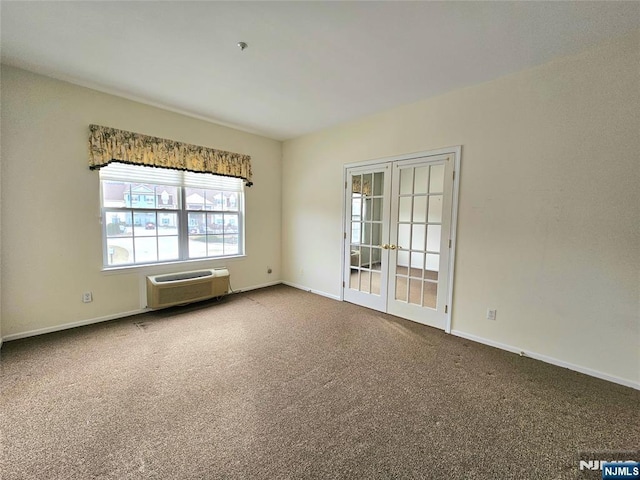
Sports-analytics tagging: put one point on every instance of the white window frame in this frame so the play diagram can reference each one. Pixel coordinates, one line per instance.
(116, 172)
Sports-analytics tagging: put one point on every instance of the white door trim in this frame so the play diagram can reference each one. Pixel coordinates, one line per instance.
(456, 151)
(452, 232)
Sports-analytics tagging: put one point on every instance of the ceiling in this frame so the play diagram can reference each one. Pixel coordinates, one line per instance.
(309, 65)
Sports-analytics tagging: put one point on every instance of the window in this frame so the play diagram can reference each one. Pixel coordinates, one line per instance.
(356, 217)
(153, 215)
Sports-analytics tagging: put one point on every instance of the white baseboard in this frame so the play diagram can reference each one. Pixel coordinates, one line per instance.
(546, 359)
(255, 287)
(317, 292)
(66, 326)
(115, 316)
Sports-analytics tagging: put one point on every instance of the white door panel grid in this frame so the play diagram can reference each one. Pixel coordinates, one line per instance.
(367, 216)
(399, 239)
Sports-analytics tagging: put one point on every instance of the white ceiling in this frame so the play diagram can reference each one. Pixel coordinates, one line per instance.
(309, 65)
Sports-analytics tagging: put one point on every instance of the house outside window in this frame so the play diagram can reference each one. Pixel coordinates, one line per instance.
(152, 215)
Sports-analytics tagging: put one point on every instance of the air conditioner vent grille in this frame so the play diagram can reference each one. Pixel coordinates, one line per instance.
(186, 287)
(182, 276)
(184, 294)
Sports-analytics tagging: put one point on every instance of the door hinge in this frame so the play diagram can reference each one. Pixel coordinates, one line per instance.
(454, 174)
(345, 185)
(343, 285)
(449, 243)
(446, 309)
(345, 235)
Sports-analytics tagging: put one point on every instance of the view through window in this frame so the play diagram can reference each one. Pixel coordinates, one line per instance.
(152, 215)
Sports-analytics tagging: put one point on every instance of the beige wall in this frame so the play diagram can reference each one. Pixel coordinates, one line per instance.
(548, 227)
(51, 244)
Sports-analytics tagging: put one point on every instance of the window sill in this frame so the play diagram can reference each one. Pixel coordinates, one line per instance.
(194, 264)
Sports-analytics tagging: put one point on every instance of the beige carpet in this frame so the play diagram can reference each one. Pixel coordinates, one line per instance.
(280, 383)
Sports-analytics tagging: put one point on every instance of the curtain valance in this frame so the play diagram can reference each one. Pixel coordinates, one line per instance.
(108, 145)
(360, 186)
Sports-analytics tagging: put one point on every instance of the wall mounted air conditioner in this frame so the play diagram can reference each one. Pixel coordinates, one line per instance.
(186, 287)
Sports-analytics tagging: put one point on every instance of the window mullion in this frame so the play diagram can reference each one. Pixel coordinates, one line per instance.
(183, 231)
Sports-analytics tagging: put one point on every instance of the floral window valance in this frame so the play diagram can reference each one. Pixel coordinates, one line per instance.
(108, 145)
(360, 186)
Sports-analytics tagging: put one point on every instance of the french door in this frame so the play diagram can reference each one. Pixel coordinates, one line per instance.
(399, 234)
(367, 236)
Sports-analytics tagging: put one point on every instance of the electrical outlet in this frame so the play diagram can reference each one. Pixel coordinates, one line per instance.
(491, 314)
(87, 297)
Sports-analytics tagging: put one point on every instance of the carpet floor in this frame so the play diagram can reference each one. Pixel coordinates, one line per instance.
(280, 383)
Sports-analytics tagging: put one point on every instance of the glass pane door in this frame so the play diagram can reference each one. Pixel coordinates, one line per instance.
(419, 239)
(398, 223)
(419, 229)
(365, 234)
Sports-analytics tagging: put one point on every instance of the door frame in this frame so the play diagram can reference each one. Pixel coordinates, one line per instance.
(456, 151)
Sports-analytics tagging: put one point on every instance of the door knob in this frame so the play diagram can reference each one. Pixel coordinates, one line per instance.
(393, 247)
(385, 246)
